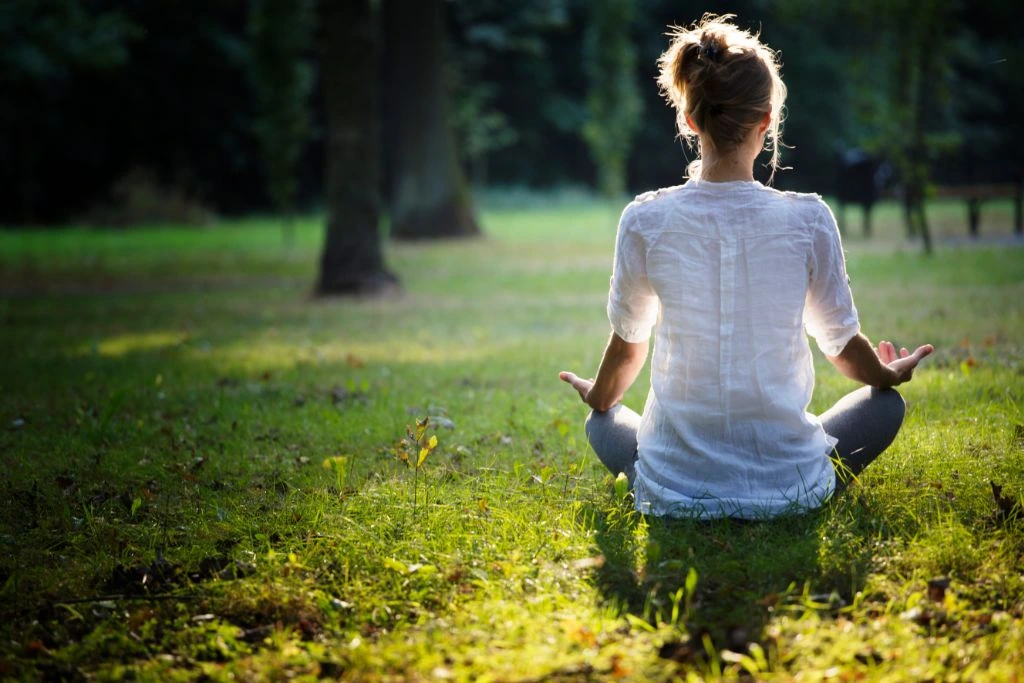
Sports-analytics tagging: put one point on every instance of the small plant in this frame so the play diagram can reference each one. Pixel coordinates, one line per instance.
(339, 465)
(414, 449)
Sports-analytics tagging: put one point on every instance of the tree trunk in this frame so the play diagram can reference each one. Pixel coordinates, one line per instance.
(352, 260)
(429, 193)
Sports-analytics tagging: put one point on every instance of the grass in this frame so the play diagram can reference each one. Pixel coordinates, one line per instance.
(203, 475)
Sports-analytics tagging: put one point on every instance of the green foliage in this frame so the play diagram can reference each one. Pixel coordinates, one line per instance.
(491, 32)
(50, 47)
(613, 101)
(281, 32)
(50, 40)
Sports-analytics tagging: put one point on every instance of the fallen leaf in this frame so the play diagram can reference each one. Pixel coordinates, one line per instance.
(1007, 507)
(578, 633)
(619, 670)
(937, 588)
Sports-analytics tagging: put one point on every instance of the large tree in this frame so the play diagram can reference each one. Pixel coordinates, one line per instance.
(429, 195)
(352, 261)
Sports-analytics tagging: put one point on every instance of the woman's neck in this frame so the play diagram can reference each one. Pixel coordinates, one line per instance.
(737, 164)
(725, 170)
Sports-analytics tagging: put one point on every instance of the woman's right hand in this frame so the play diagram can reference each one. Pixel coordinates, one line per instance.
(903, 363)
(582, 386)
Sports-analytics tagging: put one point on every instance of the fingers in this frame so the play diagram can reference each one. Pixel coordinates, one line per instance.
(903, 362)
(573, 380)
(578, 383)
(908, 361)
(886, 352)
(920, 353)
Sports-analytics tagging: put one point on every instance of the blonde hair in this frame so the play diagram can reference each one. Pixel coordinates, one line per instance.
(725, 79)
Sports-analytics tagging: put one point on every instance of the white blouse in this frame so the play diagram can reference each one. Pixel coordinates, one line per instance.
(729, 275)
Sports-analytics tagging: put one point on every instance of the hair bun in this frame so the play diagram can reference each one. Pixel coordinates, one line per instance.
(712, 47)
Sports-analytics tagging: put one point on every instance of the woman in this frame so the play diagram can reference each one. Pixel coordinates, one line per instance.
(730, 274)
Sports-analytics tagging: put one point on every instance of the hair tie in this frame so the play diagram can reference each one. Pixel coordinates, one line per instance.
(715, 110)
(709, 50)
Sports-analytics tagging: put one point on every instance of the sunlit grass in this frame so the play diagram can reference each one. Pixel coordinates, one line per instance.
(168, 398)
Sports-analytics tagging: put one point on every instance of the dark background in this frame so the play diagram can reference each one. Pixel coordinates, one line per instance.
(102, 98)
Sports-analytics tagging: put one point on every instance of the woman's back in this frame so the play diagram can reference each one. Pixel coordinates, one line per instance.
(732, 266)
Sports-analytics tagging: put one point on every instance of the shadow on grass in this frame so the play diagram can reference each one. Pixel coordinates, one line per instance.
(745, 572)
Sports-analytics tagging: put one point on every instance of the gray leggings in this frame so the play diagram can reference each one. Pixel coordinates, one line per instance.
(864, 421)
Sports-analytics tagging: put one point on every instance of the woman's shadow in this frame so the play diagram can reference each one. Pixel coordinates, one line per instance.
(720, 582)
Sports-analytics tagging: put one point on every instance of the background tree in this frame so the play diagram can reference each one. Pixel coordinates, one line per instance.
(429, 195)
(352, 261)
(913, 120)
(613, 103)
(280, 32)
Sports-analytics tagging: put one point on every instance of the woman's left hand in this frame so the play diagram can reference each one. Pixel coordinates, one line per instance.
(583, 386)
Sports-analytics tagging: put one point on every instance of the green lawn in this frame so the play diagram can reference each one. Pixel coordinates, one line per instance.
(203, 473)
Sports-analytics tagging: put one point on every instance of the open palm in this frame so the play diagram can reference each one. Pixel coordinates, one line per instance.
(904, 362)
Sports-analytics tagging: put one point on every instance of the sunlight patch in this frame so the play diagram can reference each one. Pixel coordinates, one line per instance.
(123, 344)
(274, 354)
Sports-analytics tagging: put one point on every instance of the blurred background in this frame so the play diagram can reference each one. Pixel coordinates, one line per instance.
(116, 112)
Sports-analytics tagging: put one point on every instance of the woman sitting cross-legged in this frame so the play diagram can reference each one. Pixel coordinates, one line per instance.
(731, 275)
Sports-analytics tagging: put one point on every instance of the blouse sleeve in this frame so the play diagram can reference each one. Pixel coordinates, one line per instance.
(632, 303)
(829, 314)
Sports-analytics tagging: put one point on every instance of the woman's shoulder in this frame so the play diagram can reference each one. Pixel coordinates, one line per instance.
(810, 199)
(811, 206)
(646, 207)
(652, 195)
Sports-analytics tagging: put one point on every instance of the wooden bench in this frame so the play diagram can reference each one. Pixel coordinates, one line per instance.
(976, 194)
